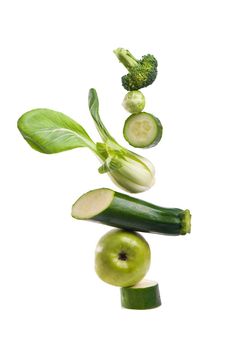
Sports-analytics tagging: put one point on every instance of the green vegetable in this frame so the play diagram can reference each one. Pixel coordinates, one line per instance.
(120, 210)
(144, 295)
(134, 102)
(48, 131)
(141, 72)
(142, 130)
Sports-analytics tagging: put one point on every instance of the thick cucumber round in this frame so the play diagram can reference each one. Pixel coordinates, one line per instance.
(144, 295)
(142, 130)
(120, 210)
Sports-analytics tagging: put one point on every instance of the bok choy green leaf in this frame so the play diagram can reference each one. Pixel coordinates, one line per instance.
(48, 131)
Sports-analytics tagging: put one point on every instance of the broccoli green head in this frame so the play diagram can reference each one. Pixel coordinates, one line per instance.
(141, 72)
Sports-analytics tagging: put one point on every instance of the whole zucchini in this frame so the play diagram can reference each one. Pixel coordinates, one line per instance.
(120, 210)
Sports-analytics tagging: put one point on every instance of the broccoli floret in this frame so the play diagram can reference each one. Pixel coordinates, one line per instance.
(141, 72)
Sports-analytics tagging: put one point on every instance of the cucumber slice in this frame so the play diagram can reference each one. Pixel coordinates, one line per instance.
(142, 130)
(144, 295)
(120, 210)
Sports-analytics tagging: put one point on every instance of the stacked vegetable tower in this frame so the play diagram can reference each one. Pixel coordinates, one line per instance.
(122, 256)
(141, 129)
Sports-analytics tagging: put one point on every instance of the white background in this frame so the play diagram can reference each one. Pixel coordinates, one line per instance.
(52, 52)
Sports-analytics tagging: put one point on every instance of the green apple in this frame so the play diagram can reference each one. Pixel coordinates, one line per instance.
(122, 258)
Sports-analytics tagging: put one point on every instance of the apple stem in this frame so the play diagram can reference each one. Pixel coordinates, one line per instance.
(122, 256)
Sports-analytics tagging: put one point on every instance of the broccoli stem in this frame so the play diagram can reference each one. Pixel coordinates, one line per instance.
(126, 58)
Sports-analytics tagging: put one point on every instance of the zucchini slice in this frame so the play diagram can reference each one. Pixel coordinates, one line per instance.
(120, 210)
(142, 130)
(144, 295)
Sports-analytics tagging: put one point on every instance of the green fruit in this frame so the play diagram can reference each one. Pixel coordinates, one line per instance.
(122, 258)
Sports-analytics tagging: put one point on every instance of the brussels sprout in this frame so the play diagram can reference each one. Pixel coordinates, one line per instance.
(134, 101)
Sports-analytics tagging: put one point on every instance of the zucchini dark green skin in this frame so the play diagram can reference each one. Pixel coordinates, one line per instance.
(137, 215)
(159, 134)
(140, 299)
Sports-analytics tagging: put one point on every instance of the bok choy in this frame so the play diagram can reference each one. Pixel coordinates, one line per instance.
(48, 131)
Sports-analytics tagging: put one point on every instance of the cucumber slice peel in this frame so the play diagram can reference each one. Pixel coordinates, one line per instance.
(142, 130)
(144, 295)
